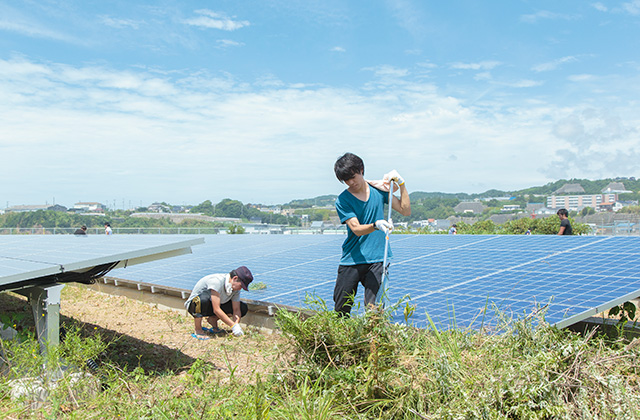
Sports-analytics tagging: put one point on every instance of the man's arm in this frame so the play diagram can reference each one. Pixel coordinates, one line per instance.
(358, 229)
(403, 204)
(563, 226)
(237, 312)
(215, 302)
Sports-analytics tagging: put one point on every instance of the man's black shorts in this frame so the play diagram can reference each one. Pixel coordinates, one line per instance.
(201, 306)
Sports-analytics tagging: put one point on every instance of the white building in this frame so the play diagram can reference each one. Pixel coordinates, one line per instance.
(88, 207)
(578, 202)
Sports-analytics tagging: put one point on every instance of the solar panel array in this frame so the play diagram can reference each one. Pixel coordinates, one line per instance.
(456, 279)
(26, 257)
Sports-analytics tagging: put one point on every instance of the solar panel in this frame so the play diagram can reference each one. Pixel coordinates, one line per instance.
(455, 279)
(35, 265)
(24, 258)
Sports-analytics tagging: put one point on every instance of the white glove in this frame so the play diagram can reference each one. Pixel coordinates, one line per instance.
(393, 176)
(237, 330)
(383, 225)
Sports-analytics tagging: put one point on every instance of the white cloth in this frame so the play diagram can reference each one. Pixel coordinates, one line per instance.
(382, 185)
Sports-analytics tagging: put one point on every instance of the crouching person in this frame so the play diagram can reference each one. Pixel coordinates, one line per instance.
(217, 297)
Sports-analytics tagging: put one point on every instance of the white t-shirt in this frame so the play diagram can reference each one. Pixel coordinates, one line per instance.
(220, 283)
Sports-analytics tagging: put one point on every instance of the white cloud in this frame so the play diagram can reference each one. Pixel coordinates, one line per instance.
(524, 83)
(338, 49)
(97, 133)
(34, 30)
(580, 77)
(482, 65)
(597, 143)
(599, 6)
(120, 23)
(545, 14)
(214, 20)
(482, 76)
(409, 16)
(552, 65)
(387, 75)
(427, 65)
(632, 7)
(228, 43)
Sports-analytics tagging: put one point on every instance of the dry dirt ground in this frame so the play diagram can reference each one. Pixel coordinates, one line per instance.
(158, 340)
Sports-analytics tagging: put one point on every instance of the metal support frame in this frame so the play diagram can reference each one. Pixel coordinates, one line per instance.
(45, 304)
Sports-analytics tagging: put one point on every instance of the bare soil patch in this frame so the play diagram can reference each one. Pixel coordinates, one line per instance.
(157, 340)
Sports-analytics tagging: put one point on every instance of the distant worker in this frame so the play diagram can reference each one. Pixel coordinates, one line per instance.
(453, 230)
(107, 229)
(565, 225)
(217, 297)
(528, 232)
(361, 208)
(81, 231)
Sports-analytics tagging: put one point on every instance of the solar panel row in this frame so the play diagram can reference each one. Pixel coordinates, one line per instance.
(25, 257)
(453, 278)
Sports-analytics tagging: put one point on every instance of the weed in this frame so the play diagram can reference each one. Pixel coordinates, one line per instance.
(362, 367)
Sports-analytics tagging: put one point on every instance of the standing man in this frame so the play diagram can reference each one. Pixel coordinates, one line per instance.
(107, 229)
(361, 208)
(565, 225)
(453, 230)
(217, 297)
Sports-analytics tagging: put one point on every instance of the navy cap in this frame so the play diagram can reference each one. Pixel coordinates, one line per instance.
(245, 276)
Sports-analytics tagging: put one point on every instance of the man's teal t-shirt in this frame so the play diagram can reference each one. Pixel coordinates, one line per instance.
(363, 249)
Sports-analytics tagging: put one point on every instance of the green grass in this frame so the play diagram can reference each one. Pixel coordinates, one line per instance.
(363, 367)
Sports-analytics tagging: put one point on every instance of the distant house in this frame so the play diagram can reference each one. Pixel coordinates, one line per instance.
(88, 207)
(35, 207)
(497, 198)
(26, 208)
(320, 226)
(57, 207)
(159, 208)
(180, 209)
(569, 189)
(615, 187)
(510, 207)
(470, 207)
(605, 206)
(421, 223)
(545, 211)
(618, 205)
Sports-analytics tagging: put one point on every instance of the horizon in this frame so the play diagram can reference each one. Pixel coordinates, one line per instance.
(133, 207)
(192, 101)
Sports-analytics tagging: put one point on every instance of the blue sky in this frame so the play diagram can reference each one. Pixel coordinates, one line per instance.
(142, 101)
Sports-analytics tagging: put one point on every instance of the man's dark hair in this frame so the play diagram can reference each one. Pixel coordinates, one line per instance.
(563, 212)
(347, 166)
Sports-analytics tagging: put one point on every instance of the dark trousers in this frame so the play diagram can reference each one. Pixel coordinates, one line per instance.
(349, 276)
(201, 306)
